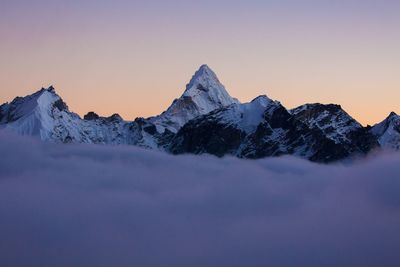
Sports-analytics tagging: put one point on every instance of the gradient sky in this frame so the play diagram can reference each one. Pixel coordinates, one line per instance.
(135, 57)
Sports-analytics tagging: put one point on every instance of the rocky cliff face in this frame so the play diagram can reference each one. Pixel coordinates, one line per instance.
(275, 131)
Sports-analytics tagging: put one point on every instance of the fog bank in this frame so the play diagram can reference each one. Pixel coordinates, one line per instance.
(84, 205)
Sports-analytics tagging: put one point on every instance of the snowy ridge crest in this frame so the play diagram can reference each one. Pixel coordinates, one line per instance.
(206, 119)
(388, 132)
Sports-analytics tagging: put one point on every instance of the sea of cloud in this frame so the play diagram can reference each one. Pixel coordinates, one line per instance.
(90, 205)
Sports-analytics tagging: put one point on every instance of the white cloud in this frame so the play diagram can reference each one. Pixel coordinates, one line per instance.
(83, 205)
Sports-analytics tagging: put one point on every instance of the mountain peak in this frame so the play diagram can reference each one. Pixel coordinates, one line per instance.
(203, 94)
(91, 116)
(51, 89)
(392, 117)
(205, 88)
(33, 114)
(388, 131)
(262, 99)
(202, 80)
(205, 67)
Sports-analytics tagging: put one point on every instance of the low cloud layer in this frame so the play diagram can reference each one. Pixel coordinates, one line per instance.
(83, 205)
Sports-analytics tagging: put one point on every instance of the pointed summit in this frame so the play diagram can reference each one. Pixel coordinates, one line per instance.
(33, 114)
(203, 94)
(392, 117)
(388, 131)
(204, 69)
(204, 77)
(206, 90)
(51, 89)
(262, 100)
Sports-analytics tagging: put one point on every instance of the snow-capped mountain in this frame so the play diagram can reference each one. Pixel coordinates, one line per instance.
(203, 94)
(388, 132)
(44, 114)
(337, 125)
(331, 119)
(264, 128)
(222, 131)
(206, 119)
(33, 114)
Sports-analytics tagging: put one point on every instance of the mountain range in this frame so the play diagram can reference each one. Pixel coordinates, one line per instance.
(206, 119)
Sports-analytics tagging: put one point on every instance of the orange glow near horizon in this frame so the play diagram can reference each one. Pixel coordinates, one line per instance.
(134, 58)
(152, 98)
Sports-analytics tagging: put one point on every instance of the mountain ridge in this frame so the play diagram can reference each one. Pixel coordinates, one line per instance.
(206, 119)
